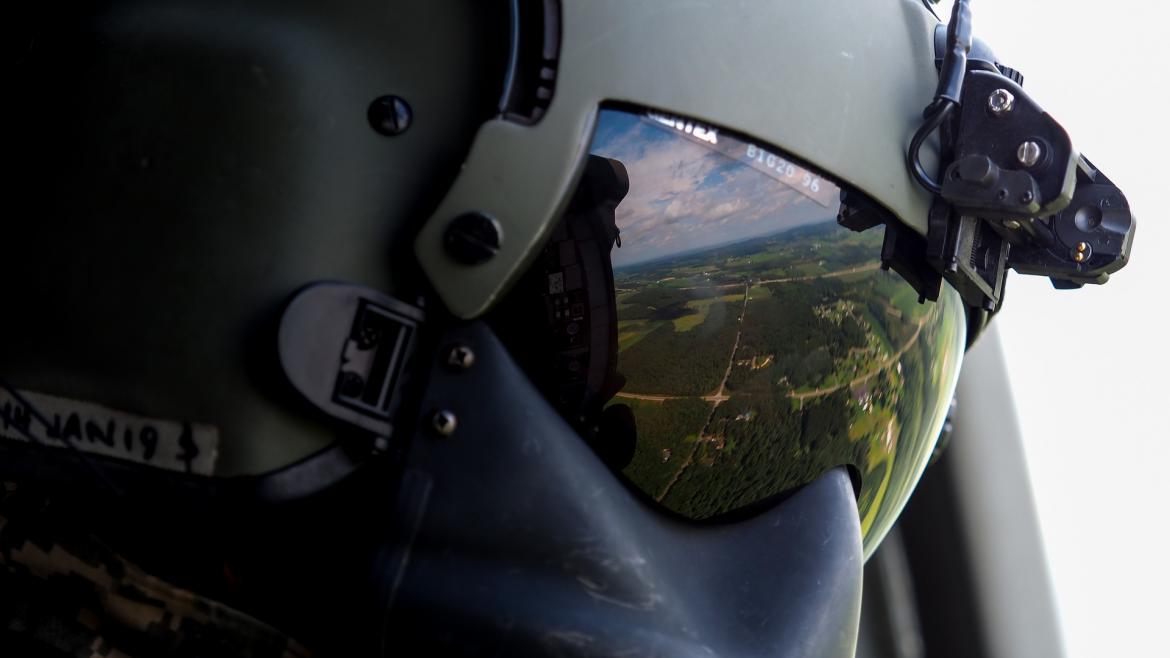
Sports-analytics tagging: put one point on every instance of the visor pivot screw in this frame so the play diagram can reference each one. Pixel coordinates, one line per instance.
(1029, 153)
(1001, 102)
(472, 238)
(460, 357)
(389, 115)
(443, 423)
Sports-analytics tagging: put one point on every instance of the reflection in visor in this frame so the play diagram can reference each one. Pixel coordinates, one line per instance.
(758, 343)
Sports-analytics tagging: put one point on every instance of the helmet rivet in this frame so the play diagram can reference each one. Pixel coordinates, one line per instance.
(443, 423)
(461, 357)
(1027, 196)
(472, 238)
(389, 115)
(1001, 102)
(1029, 153)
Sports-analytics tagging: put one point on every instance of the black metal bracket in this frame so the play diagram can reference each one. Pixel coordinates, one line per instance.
(344, 347)
(1011, 159)
(1086, 241)
(1013, 192)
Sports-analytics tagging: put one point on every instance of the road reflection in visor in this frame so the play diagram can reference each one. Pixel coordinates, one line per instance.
(755, 343)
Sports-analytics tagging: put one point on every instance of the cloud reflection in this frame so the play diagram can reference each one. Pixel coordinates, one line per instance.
(684, 196)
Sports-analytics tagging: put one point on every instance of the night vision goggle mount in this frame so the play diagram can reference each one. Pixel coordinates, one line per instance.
(1013, 191)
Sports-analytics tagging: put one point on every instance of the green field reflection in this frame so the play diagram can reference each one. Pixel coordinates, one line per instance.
(757, 358)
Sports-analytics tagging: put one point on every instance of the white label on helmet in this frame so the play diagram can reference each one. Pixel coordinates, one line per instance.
(56, 422)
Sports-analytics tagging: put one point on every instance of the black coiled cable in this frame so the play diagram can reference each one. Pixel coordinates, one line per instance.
(947, 95)
(936, 115)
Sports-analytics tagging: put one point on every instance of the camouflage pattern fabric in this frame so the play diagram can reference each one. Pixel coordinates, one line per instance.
(63, 595)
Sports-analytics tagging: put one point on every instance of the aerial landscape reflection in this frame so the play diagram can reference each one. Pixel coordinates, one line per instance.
(762, 343)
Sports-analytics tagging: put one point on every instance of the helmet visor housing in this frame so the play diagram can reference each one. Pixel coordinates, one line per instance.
(754, 342)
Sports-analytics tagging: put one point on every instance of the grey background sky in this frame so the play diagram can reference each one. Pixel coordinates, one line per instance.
(1089, 368)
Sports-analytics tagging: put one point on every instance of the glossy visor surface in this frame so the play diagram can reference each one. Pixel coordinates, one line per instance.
(760, 342)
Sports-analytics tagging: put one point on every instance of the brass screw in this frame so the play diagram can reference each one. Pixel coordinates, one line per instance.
(1079, 257)
(1082, 247)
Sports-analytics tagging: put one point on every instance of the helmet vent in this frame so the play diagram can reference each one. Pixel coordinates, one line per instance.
(532, 63)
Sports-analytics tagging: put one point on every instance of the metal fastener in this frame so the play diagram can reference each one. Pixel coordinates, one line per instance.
(1028, 154)
(389, 115)
(444, 422)
(461, 357)
(1001, 102)
(1082, 247)
(473, 238)
(1011, 224)
(1027, 196)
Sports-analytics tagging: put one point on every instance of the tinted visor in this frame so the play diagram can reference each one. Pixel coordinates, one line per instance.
(722, 340)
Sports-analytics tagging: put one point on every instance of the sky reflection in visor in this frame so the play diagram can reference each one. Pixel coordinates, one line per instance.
(761, 343)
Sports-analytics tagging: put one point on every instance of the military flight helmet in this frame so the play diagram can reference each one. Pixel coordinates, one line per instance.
(601, 324)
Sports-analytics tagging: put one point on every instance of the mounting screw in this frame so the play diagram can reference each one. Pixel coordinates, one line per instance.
(444, 423)
(1029, 153)
(1001, 102)
(461, 357)
(389, 115)
(472, 238)
(1027, 196)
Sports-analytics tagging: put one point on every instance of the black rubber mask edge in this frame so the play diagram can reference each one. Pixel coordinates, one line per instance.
(519, 541)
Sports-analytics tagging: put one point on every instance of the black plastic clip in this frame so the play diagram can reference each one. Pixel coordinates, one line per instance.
(344, 348)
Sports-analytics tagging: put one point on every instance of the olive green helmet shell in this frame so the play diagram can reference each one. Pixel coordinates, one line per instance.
(184, 168)
(839, 84)
(190, 169)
